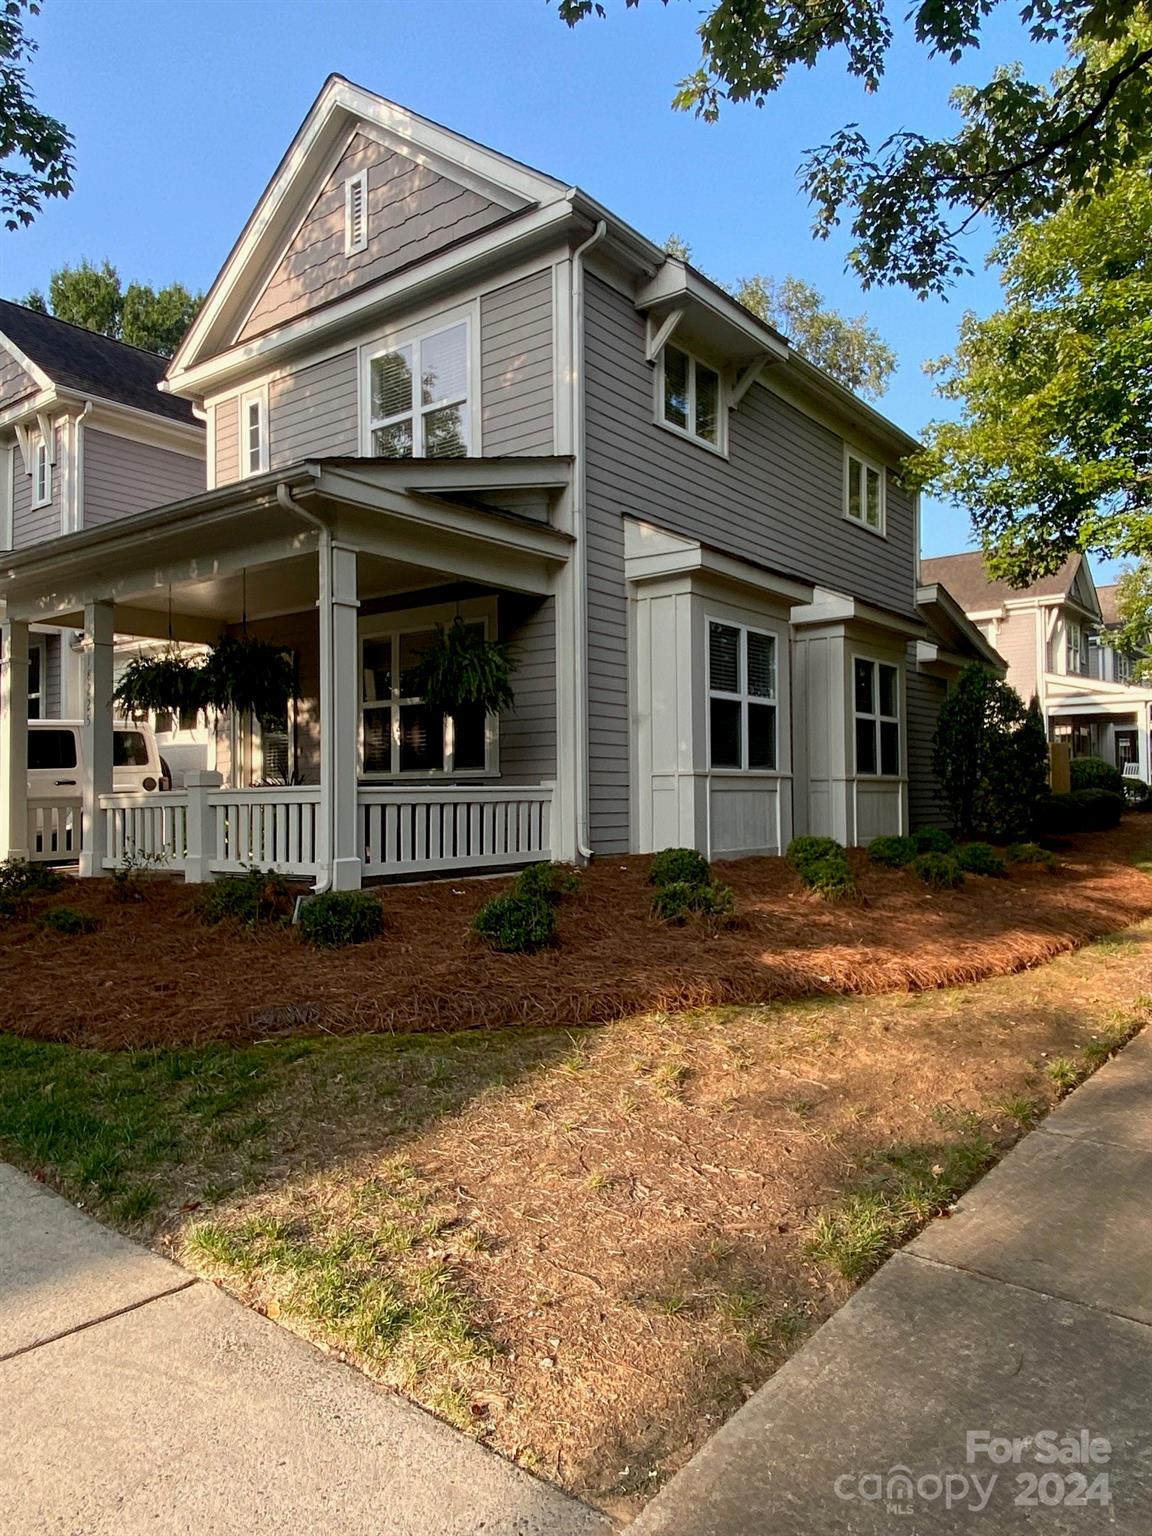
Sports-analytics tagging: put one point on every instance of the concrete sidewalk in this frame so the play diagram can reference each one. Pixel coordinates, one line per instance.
(1030, 1310)
(135, 1398)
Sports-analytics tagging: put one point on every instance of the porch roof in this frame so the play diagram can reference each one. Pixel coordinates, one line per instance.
(454, 518)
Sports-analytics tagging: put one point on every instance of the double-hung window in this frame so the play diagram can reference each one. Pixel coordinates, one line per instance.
(689, 397)
(741, 697)
(864, 492)
(254, 433)
(401, 734)
(877, 703)
(41, 473)
(1076, 649)
(418, 396)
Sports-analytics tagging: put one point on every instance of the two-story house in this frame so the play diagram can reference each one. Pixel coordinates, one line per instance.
(1052, 634)
(86, 437)
(439, 384)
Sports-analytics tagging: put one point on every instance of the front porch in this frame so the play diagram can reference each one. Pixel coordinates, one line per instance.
(348, 564)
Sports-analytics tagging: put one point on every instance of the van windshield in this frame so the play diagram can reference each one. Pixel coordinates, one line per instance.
(51, 749)
(129, 749)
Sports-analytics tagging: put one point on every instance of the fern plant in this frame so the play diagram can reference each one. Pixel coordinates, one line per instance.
(462, 668)
(170, 681)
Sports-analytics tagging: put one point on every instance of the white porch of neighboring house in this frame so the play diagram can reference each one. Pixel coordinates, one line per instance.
(1099, 719)
(328, 556)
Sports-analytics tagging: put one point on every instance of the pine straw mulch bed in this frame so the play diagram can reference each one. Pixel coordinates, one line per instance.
(153, 975)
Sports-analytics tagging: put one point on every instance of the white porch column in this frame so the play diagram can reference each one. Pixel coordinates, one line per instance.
(96, 731)
(340, 716)
(14, 740)
(571, 753)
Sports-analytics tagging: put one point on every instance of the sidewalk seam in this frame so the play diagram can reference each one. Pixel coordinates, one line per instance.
(105, 1317)
(1027, 1290)
(1093, 1141)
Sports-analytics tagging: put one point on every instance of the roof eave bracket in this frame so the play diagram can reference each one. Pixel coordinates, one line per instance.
(658, 335)
(747, 376)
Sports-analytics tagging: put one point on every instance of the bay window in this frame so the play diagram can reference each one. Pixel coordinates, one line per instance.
(401, 734)
(876, 686)
(741, 697)
(418, 396)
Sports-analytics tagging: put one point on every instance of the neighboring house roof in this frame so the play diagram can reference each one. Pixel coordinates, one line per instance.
(951, 629)
(967, 579)
(1109, 612)
(90, 364)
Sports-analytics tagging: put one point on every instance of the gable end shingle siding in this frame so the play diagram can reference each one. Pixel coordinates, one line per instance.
(16, 383)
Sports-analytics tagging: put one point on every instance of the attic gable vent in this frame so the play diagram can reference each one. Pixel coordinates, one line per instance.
(356, 213)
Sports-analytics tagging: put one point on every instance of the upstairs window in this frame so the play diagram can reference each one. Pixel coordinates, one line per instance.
(877, 707)
(1075, 649)
(688, 397)
(864, 492)
(41, 473)
(356, 213)
(254, 433)
(741, 697)
(418, 397)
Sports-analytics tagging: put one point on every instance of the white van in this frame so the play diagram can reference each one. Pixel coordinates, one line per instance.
(56, 758)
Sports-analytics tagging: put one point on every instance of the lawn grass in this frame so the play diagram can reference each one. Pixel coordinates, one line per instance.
(587, 1245)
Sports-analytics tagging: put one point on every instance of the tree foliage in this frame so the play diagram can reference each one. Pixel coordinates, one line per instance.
(990, 756)
(1052, 451)
(1134, 609)
(156, 319)
(1021, 148)
(35, 149)
(846, 347)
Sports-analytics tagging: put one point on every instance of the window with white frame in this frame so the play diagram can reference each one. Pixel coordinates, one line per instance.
(36, 669)
(1075, 649)
(41, 473)
(418, 396)
(356, 213)
(402, 734)
(688, 397)
(254, 433)
(864, 492)
(876, 697)
(741, 697)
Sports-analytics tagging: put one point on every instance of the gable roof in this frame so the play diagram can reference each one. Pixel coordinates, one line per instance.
(1107, 596)
(90, 364)
(966, 578)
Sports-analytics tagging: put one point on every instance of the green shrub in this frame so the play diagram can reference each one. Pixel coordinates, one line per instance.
(334, 919)
(516, 924)
(677, 900)
(940, 871)
(823, 865)
(256, 896)
(21, 880)
(932, 840)
(1138, 794)
(980, 859)
(679, 866)
(1057, 816)
(1029, 853)
(990, 756)
(892, 852)
(68, 922)
(1095, 773)
(806, 851)
(547, 881)
(1099, 808)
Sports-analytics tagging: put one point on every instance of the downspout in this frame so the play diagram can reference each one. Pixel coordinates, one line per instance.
(327, 679)
(579, 534)
(78, 468)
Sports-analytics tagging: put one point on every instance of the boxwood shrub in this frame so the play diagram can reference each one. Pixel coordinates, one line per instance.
(1095, 773)
(677, 900)
(892, 852)
(940, 871)
(1084, 810)
(22, 879)
(516, 923)
(547, 881)
(823, 866)
(980, 859)
(679, 866)
(932, 840)
(256, 896)
(67, 922)
(1029, 853)
(334, 919)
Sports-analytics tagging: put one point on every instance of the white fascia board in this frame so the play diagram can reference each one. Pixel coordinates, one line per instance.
(678, 285)
(26, 411)
(448, 269)
(147, 427)
(654, 554)
(829, 607)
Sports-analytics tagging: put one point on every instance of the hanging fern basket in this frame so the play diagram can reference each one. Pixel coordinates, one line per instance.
(462, 669)
(239, 673)
(170, 681)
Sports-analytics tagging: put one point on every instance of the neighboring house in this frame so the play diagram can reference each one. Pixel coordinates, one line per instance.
(1051, 636)
(86, 438)
(440, 384)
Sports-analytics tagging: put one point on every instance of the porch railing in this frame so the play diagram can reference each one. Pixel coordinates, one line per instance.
(204, 831)
(54, 830)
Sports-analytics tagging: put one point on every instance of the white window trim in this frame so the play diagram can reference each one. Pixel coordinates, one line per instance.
(720, 446)
(411, 621)
(866, 463)
(40, 645)
(258, 398)
(1082, 667)
(412, 335)
(40, 455)
(742, 696)
(352, 246)
(875, 716)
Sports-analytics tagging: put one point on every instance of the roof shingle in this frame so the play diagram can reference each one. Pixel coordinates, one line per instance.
(966, 577)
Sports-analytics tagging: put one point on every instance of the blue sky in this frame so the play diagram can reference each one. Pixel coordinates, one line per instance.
(181, 111)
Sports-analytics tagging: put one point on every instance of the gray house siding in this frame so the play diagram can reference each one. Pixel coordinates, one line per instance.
(412, 212)
(32, 525)
(528, 730)
(314, 411)
(776, 500)
(15, 382)
(516, 367)
(122, 476)
(925, 696)
(226, 427)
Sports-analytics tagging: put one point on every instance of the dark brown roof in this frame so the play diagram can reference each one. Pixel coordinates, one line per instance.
(1108, 609)
(967, 579)
(91, 364)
